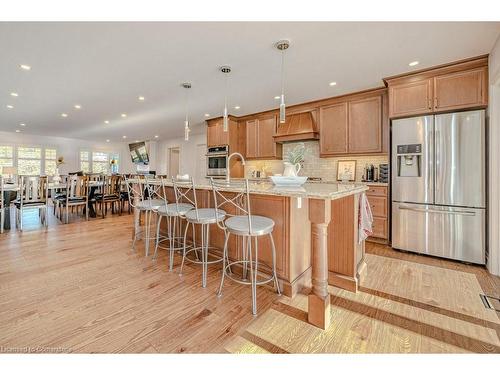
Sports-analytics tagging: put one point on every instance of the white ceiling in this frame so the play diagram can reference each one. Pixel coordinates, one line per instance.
(104, 67)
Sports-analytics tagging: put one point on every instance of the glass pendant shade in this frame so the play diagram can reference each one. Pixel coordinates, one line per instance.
(186, 130)
(282, 109)
(225, 121)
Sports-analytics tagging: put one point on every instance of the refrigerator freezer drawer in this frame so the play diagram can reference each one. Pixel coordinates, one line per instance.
(448, 232)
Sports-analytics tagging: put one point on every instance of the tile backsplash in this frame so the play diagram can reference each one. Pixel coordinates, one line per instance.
(313, 165)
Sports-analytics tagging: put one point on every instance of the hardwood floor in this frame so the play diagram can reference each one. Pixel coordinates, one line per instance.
(81, 288)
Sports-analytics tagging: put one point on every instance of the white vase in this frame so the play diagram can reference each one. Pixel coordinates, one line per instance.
(291, 170)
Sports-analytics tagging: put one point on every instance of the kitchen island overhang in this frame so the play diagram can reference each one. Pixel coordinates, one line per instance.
(316, 236)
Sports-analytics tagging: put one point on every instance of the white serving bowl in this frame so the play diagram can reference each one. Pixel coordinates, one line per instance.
(288, 180)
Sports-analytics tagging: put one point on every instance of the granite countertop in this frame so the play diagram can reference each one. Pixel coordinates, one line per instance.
(308, 190)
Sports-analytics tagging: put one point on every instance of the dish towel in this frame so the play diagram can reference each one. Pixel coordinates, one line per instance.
(365, 219)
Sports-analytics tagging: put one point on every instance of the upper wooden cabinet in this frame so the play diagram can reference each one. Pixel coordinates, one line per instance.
(216, 136)
(355, 125)
(333, 129)
(365, 125)
(410, 98)
(450, 87)
(460, 90)
(259, 138)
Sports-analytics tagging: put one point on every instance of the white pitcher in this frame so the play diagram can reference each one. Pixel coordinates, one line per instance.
(291, 170)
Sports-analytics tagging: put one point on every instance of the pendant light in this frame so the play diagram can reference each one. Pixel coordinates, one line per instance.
(282, 45)
(186, 121)
(225, 119)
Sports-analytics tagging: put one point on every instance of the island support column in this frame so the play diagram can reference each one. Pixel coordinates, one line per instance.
(319, 299)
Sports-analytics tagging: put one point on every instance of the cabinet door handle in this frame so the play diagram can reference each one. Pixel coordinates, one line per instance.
(429, 103)
(435, 102)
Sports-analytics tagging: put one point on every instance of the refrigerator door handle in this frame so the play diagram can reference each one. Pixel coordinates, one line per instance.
(465, 213)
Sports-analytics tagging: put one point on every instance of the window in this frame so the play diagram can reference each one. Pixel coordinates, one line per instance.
(99, 161)
(85, 161)
(6, 156)
(29, 161)
(50, 161)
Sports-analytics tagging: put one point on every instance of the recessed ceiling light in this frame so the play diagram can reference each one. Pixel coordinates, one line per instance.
(207, 114)
(136, 141)
(18, 131)
(25, 67)
(124, 137)
(157, 136)
(141, 98)
(413, 63)
(277, 97)
(22, 124)
(77, 106)
(107, 140)
(333, 83)
(9, 106)
(64, 115)
(106, 121)
(15, 94)
(124, 115)
(237, 107)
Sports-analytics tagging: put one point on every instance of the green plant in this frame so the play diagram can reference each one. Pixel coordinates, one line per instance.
(296, 155)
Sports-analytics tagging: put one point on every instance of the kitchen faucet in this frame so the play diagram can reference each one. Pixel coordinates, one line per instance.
(228, 175)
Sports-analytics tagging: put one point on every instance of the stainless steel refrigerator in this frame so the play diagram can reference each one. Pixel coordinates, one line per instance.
(439, 185)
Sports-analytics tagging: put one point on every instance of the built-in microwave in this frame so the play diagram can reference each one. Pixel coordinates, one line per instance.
(217, 161)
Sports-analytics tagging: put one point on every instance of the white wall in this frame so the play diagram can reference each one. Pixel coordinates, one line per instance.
(69, 148)
(188, 153)
(494, 160)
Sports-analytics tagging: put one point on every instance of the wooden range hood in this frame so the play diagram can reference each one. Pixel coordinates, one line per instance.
(297, 127)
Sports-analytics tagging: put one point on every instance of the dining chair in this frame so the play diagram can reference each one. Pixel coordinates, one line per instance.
(140, 199)
(198, 216)
(77, 195)
(110, 193)
(248, 226)
(175, 215)
(33, 193)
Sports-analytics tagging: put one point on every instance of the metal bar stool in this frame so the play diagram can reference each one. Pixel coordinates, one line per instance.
(199, 216)
(142, 199)
(175, 213)
(248, 226)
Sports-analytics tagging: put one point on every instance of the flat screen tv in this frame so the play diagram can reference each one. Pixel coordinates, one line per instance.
(139, 153)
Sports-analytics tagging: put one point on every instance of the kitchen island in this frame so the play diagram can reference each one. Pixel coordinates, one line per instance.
(316, 236)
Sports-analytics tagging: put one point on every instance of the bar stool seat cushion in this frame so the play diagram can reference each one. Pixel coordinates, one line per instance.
(239, 225)
(174, 209)
(147, 204)
(205, 216)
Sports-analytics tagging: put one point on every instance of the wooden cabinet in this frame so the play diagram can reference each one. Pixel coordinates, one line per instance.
(356, 125)
(333, 129)
(216, 136)
(365, 125)
(378, 199)
(252, 150)
(451, 87)
(460, 90)
(259, 138)
(410, 98)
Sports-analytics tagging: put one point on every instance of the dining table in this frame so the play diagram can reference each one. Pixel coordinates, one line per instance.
(10, 194)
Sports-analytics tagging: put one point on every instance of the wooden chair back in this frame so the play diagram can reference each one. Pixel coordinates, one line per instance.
(33, 189)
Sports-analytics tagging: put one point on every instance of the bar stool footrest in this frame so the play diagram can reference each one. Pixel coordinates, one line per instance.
(244, 281)
(198, 248)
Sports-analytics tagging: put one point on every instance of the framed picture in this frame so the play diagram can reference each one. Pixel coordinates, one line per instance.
(346, 170)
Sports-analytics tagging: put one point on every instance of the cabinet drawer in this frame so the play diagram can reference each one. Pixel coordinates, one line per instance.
(379, 227)
(378, 206)
(376, 190)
